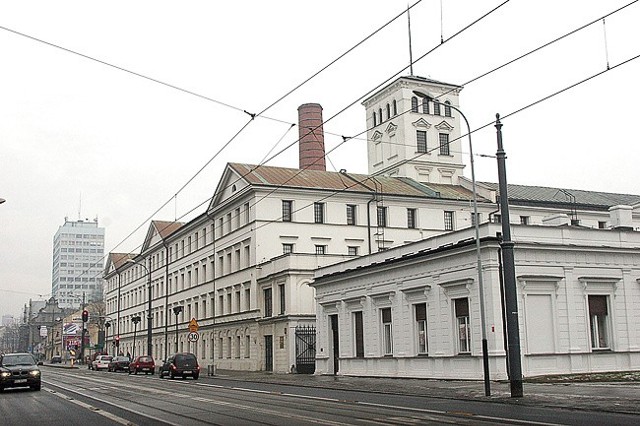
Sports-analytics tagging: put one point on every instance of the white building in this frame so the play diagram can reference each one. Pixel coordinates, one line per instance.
(78, 262)
(414, 310)
(242, 268)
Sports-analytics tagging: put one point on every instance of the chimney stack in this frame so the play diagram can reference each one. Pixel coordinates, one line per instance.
(621, 217)
(311, 142)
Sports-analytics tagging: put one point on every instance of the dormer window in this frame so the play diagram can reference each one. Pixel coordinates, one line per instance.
(447, 109)
(414, 104)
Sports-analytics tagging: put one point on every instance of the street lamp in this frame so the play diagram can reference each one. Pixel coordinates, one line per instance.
(176, 311)
(106, 336)
(149, 316)
(135, 320)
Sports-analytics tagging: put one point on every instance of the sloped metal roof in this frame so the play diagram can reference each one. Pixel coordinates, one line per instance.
(336, 181)
(541, 196)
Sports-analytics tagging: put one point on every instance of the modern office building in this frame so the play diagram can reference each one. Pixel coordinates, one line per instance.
(78, 262)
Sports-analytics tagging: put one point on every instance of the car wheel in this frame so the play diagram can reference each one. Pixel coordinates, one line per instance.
(171, 375)
(195, 376)
(135, 372)
(36, 387)
(152, 373)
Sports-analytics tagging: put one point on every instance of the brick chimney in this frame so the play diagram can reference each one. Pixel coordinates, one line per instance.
(311, 142)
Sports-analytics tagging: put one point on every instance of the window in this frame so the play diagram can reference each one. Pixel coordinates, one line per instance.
(602, 224)
(358, 334)
(444, 143)
(462, 322)
(436, 107)
(411, 218)
(598, 319)
(283, 299)
(425, 105)
(247, 346)
(318, 212)
(421, 327)
(247, 299)
(448, 221)
(286, 210)
(524, 220)
(382, 216)
(320, 249)
(352, 250)
(351, 214)
(387, 331)
(380, 114)
(421, 139)
(375, 121)
(497, 218)
(395, 108)
(414, 104)
(388, 111)
(268, 307)
(473, 218)
(447, 109)
(287, 248)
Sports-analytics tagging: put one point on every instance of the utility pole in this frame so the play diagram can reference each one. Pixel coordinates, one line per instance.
(84, 328)
(509, 270)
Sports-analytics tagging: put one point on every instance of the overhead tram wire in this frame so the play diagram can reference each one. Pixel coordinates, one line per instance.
(510, 114)
(420, 58)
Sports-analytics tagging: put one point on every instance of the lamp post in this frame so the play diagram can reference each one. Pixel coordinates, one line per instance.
(485, 350)
(106, 336)
(149, 316)
(176, 311)
(135, 320)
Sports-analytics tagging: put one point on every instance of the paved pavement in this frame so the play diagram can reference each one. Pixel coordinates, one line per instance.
(618, 393)
(571, 393)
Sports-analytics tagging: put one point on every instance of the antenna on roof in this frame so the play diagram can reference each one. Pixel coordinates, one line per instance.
(410, 51)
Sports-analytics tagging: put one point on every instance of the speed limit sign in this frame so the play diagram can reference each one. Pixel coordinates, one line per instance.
(193, 336)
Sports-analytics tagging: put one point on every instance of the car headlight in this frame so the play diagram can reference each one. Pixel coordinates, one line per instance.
(5, 374)
(34, 372)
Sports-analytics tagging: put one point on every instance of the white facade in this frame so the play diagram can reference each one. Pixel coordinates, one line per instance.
(78, 263)
(430, 288)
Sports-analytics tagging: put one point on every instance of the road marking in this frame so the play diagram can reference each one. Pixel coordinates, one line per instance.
(89, 407)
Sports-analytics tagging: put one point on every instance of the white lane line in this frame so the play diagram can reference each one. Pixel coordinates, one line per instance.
(154, 418)
(96, 410)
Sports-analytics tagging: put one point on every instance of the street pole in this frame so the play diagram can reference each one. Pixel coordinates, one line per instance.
(149, 315)
(483, 326)
(84, 330)
(177, 310)
(510, 290)
(135, 321)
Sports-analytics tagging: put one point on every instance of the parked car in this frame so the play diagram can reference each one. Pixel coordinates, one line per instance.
(101, 362)
(56, 359)
(142, 363)
(181, 365)
(19, 370)
(119, 363)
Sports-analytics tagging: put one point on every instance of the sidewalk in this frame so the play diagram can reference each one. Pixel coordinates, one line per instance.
(572, 392)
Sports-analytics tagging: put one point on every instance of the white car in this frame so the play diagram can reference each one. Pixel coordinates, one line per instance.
(101, 362)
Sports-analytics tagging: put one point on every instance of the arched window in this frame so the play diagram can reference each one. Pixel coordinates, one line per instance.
(380, 114)
(436, 107)
(447, 109)
(388, 112)
(425, 105)
(375, 121)
(414, 104)
(395, 108)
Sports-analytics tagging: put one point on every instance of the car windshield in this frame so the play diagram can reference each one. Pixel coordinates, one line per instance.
(185, 358)
(121, 358)
(105, 358)
(145, 359)
(9, 360)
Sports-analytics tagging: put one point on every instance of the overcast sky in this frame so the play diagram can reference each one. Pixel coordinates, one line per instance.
(82, 139)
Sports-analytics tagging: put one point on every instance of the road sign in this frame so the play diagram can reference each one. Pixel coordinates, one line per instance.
(193, 336)
(193, 325)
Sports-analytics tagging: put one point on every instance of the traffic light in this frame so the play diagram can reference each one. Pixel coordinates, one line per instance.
(85, 316)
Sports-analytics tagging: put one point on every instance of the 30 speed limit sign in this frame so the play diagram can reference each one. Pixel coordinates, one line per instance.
(193, 336)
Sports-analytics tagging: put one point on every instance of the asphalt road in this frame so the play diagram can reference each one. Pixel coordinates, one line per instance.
(80, 396)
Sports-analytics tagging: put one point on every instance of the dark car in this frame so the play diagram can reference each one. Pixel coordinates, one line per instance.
(56, 359)
(119, 363)
(181, 365)
(19, 370)
(142, 364)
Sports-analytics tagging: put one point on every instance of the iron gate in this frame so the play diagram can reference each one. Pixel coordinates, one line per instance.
(305, 349)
